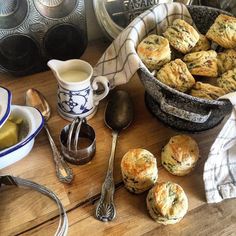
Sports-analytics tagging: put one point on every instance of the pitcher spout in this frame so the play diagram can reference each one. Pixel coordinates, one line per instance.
(55, 66)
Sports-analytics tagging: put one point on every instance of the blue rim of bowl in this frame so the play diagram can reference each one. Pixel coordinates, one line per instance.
(21, 144)
(7, 112)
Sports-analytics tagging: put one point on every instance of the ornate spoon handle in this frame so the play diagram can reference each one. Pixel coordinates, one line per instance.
(63, 171)
(105, 210)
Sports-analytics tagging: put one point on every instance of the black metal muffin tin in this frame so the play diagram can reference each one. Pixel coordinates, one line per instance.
(35, 31)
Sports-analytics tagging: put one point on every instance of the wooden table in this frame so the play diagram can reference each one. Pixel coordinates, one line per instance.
(25, 212)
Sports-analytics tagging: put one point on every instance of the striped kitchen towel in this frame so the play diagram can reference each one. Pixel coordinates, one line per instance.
(120, 61)
(220, 168)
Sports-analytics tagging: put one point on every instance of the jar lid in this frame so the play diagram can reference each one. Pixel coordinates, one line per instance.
(5, 105)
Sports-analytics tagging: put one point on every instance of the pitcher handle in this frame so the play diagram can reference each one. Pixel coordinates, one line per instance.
(105, 82)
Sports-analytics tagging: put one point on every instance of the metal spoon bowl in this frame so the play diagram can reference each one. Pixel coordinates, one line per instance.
(119, 111)
(35, 99)
(118, 116)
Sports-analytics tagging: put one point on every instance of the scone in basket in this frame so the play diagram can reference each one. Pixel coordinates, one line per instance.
(178, 109)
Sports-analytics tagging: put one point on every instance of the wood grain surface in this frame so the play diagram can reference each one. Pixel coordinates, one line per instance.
(25, 212)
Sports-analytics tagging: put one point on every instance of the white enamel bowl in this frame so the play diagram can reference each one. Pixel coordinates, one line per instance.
(32, 124)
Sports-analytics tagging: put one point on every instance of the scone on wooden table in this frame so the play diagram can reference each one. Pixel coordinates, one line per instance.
(203, 44)
(226, 60)
(181, 35)
(206, 91)
(203, 63)
(176, 75)
(139, 170)
(180, 155)
(227, 81)
(154, 51)
(167, 203)
(223, 31)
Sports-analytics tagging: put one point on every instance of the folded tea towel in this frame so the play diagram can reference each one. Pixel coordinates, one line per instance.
(220, 168)
(120, 61)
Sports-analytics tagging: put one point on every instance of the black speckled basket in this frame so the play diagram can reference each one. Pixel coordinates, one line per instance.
(180, 110)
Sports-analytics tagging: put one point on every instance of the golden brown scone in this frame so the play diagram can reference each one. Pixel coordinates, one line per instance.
(181, 35)
(223, 31)
(139, 170)
(167, 203)
(226, 60)
(203, 44)
(203, 63)
(180, 155)
(206, 91)
(176, 75)
(154, 51)
(227, 81)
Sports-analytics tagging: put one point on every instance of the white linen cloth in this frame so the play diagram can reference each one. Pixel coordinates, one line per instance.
(220, 168)
(120, 61)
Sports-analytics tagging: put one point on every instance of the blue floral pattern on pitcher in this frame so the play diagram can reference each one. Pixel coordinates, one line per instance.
(74, 102)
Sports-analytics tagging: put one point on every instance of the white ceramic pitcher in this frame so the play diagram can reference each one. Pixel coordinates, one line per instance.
(75, 95)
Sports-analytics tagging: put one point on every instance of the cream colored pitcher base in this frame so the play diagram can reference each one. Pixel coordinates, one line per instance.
(72, 117)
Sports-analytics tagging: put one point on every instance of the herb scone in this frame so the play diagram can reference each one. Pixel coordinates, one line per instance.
(181, 35)
(203, 63)
(206, 91)
(226, 60)
(202, 44)
(223, 31)
(154, 51)
(180, 155)
(167, 203)
(139, 170)
(227, 81)
(176, 75)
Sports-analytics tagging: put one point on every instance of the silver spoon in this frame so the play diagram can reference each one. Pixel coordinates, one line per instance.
(118, 116)
(35, 99)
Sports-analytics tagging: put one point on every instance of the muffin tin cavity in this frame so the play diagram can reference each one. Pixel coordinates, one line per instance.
(51, 3)
(18, 52)
(55, 8)
(12, 13)
(7, 7)
(64, 42)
